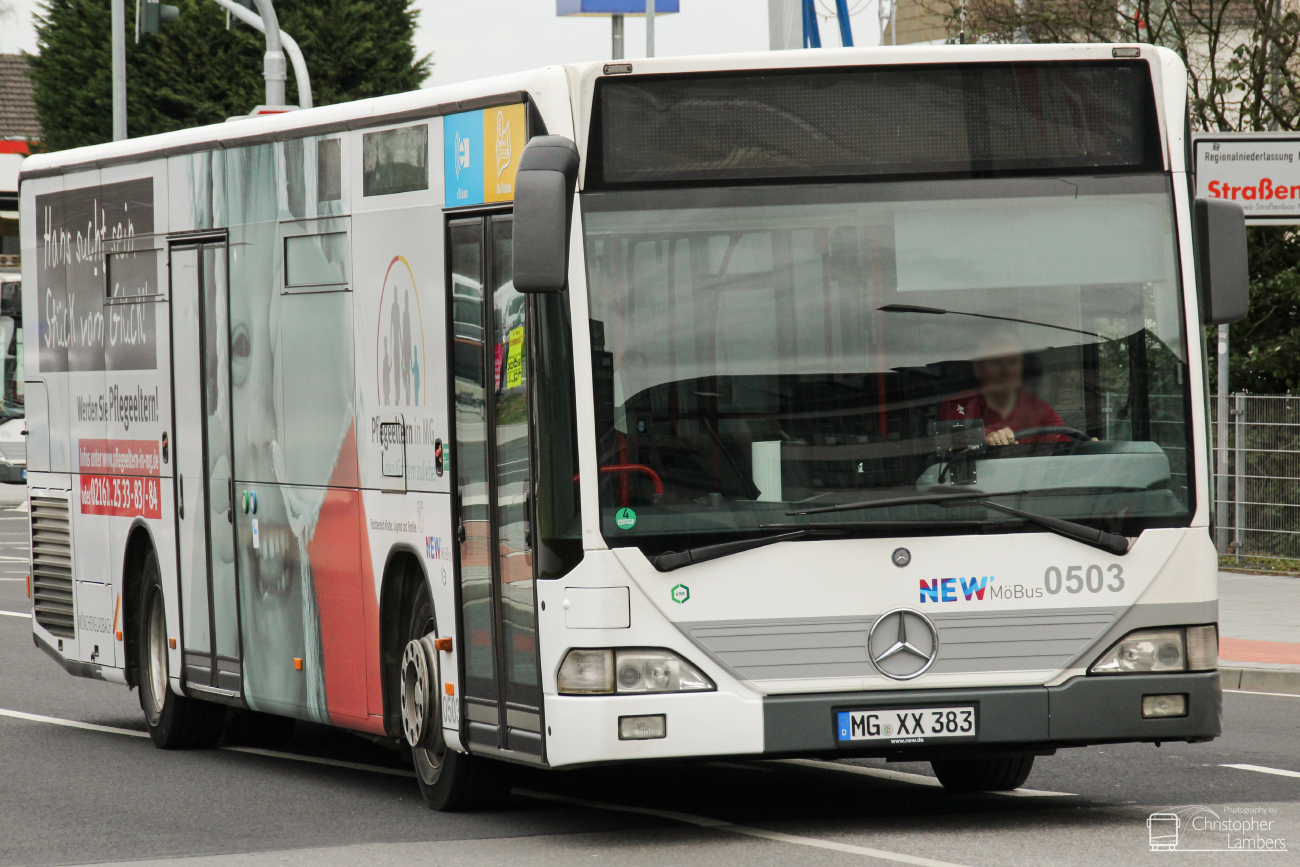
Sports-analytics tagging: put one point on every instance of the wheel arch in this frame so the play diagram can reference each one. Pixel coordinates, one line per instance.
(139, 544)
(403, 574)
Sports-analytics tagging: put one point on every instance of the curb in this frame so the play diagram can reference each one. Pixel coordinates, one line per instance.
(1261, 680)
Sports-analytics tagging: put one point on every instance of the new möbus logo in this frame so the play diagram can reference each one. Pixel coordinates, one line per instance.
(974, 589)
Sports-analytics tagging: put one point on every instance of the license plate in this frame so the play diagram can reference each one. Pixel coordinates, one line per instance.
(913, 725)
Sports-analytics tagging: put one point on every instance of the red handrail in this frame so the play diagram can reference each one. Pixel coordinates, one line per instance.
(633, 468)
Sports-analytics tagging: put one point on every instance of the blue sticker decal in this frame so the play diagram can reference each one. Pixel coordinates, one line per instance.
(462, 146)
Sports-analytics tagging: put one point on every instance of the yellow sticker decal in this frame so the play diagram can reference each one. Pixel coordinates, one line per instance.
(515, 362)
(503, 144)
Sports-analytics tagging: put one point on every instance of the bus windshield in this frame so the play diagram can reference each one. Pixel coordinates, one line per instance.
(762, 351)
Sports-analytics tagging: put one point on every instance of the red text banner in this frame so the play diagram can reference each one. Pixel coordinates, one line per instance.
(119, 457)
(121, 495)
(120, 477)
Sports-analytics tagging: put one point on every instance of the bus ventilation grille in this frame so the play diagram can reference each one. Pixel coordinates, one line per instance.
(52, 565)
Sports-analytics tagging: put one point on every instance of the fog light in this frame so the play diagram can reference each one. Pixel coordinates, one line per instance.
(642, 728)
(1154, 706)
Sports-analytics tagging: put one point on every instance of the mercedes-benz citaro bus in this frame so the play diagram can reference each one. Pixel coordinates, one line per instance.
(809, 403)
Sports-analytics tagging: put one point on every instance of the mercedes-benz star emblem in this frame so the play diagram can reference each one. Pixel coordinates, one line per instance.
(903, 644)
(901, 557)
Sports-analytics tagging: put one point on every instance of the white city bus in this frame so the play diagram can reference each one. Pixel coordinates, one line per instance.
(829, 403)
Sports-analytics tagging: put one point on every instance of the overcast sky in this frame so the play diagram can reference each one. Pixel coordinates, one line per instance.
(477, 38)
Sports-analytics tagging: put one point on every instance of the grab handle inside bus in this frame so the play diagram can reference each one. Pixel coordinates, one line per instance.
(544, 185)
(1221, 261)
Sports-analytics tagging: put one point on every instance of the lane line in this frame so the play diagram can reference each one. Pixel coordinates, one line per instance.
(71, 723)
(1260, 769)
(16, 614)
(916, 779)
(275, 754)
(1256, 692)
(718, 824)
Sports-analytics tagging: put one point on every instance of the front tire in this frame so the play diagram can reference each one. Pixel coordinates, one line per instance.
(174, 721)
(450, 781)
(995, 774)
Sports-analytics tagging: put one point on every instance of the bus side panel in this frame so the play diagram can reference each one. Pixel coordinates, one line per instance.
(102, 356)
(400, 301)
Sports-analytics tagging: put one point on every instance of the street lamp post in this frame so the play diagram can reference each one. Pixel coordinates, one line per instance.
(118, 17)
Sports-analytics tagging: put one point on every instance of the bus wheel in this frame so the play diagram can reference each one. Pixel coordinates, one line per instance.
(995, 774)
(173, 721)
(449, 780)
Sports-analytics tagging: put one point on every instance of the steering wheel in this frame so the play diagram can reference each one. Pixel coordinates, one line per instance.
(1072, 433)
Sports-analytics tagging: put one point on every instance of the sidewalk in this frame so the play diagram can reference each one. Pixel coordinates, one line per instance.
(1259, 632)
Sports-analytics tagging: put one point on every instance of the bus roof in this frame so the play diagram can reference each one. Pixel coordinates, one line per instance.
(562, 95)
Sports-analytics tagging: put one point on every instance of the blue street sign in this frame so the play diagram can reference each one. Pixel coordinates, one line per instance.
(613, 7)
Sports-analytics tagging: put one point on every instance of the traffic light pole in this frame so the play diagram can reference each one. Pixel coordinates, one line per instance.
(119, 69)
(273, 60)
(284, 43)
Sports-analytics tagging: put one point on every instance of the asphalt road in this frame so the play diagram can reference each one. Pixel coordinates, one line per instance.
(80, 784)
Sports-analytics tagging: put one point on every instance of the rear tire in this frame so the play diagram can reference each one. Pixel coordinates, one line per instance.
(995, 774)
(451, 781)
(174, 721)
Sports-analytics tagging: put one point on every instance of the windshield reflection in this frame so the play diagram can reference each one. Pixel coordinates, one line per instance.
(763, 347)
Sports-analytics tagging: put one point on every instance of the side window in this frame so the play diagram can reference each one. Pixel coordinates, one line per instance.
(395, 160)
(317, 255)
(312, 184)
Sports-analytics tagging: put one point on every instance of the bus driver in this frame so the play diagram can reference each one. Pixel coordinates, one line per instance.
(1001, 401)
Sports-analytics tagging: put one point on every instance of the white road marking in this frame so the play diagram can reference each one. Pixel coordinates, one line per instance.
(718, 824)
(1254, 692)
(275, 754)
(71, 723)
(16, 614)
(1260, 769)
(917, 779)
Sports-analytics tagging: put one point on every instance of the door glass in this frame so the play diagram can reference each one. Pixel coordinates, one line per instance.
(471, 457)
(511, 474)
(188, 446)
(216, 392)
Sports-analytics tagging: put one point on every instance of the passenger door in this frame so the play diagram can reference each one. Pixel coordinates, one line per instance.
(205, 531)
(492, 461)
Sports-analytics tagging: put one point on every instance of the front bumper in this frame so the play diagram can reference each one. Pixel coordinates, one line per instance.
(1084, 710)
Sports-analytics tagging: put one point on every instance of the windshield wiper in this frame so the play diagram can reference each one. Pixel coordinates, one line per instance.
(670, 560)
(1109, 542)
(1112, 543)
(919, 500)
(939, 311)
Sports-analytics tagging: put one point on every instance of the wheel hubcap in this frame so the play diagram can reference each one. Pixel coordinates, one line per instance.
(421, 709)
(157, 645)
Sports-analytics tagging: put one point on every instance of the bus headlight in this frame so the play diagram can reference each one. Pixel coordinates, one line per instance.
(624, 672)
(1195, 648)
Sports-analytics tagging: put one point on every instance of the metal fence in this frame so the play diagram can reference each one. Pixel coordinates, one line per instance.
(1257, 475)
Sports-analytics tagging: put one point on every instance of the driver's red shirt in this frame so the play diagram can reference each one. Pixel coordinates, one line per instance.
(1031, 411)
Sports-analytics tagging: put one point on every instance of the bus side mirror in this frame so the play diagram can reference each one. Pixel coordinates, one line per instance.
(1221, 261)
(548, 174)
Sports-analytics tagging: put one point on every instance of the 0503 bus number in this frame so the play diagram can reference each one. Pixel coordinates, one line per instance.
(1076, 578)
